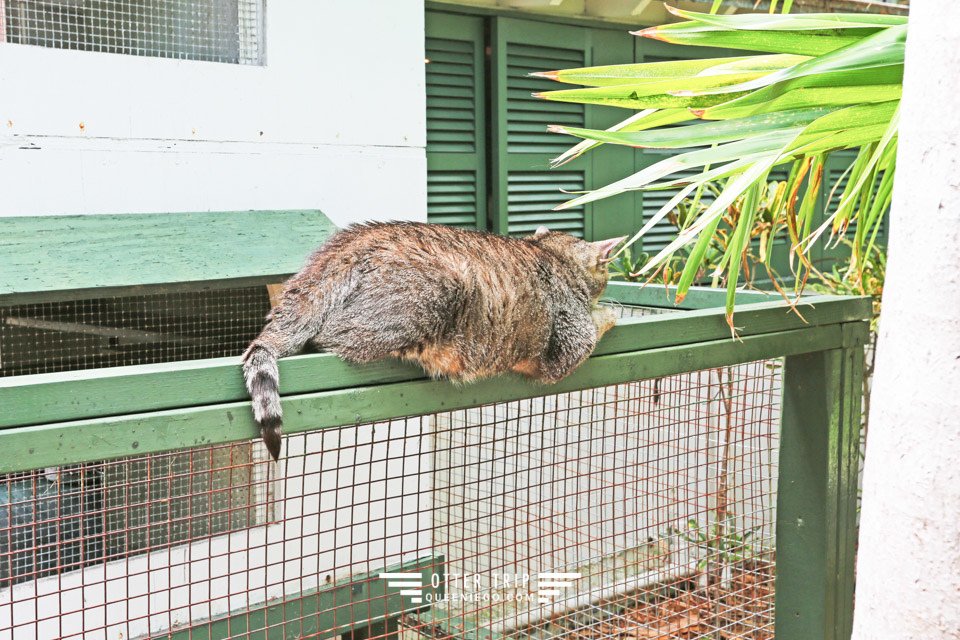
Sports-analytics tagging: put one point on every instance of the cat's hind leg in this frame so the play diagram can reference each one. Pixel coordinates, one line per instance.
(391, 315)
(371, 336)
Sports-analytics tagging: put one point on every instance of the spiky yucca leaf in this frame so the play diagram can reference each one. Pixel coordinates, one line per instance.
(823, 82)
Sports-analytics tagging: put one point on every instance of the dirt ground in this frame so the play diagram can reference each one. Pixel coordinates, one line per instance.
(741, 608)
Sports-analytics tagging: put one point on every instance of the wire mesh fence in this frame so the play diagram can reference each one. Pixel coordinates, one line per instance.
(212, 30)
(641, 510)
(116, 331)
(654, 500)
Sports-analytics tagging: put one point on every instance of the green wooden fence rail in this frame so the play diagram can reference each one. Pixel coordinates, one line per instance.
(72, 396)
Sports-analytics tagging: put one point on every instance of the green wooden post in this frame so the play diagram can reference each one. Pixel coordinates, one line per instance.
(622, 215)
(497, 67)
(816, 498)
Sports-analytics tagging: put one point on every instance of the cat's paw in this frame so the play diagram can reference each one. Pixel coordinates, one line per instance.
(604, 318)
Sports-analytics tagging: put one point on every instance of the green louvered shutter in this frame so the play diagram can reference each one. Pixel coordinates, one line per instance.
(527, 189)
(531, 196)
(456, 155)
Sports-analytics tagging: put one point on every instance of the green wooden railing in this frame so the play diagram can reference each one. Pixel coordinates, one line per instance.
(59, 419)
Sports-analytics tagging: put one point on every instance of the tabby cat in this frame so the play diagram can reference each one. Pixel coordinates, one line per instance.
(462, 304)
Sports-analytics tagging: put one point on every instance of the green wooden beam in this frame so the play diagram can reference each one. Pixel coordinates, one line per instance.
(578, 21)
(75, 395)
(112, 437)
(53, 257)
(352, 603)
(817, 490)
(497, 176)
(442, 625)
(697, 298)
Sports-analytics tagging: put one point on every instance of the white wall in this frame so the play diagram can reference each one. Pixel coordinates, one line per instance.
(335, 120)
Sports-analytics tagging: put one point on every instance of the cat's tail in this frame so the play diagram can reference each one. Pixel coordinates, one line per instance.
(262, 376)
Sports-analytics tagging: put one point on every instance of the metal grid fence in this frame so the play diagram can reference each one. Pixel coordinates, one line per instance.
(212, 30)
(116, 331)
(57, 521)
(653, 501)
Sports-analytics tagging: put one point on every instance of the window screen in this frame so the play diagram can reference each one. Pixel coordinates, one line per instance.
(213, 30)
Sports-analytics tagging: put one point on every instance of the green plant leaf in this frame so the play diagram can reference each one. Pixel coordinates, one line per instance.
(797, 22)
(802, 43)
(741, 237)
(702, 134)
(814, 138)
(760, 145)
(804, 218)
(619, 74)
(695, 259)
(880, 204)
(641, 121)
(772, 99)
(709, 174)
(842, 139)
(824, 82)
(731, 192)
(846, 206)
(860, 115)
(650, 94)
(887, 137)
(876, 59)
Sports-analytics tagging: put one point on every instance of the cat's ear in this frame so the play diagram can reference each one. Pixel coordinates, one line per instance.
(605, 247)
(541, 231)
